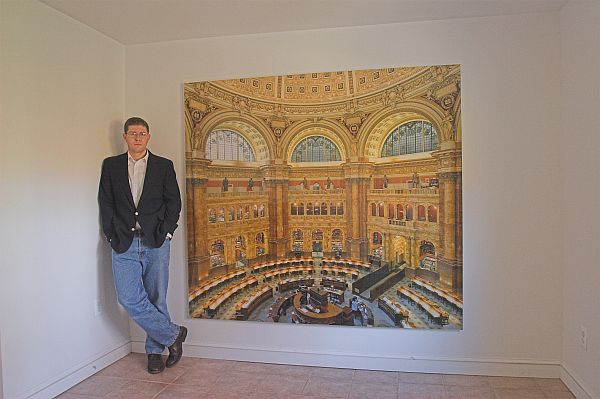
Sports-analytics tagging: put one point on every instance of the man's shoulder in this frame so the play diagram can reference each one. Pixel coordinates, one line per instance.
(115, 159)
(159, 160)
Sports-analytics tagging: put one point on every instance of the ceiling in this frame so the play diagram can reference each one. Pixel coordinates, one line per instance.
(149, 21)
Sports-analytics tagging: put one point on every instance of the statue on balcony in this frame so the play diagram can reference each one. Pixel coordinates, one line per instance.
(385, 181)
(329, 185)
(250, 185)
(415, 180)
(225, 184)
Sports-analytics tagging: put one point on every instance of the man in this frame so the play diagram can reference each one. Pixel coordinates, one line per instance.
(139, 205)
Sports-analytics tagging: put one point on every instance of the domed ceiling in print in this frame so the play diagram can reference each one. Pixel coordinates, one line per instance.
(318, 87)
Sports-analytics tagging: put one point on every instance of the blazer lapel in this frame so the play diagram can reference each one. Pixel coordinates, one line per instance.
(150, 169)
(124, 178)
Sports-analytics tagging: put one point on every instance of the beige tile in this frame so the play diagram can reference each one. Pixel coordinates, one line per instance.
(420, 391)
(251, 367)
(331, 372)
(466, 380)
(193, 363)
(67, 395)
(421, 378)
(137, 390)
(462, 392)
(99, 385)
(551, 384)
(181, 392)
(278, 384)
(373, 376)
(239, 380)
(512, 382)
(364, 389)
(558, 395)
(284, 369)
(327, 386)
(229, 392)
(511, 393)
(200, 377)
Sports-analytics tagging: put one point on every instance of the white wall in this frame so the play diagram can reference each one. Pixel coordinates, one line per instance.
(512, 187)
(580, 52)
(62, 104)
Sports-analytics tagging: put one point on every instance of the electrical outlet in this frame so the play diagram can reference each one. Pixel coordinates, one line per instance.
(98, 307)
(583, 338)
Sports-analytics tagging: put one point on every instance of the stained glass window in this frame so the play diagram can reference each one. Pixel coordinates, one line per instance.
(409, 138)
(228, 145)
(316, 149)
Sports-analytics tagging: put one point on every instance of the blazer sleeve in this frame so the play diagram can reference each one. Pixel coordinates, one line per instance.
(106, 202)
(172, 199)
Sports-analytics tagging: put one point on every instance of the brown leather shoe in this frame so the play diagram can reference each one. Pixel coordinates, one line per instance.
(155, 363)
(176, 350)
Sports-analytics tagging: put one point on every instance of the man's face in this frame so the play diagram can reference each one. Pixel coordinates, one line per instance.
(137, 138)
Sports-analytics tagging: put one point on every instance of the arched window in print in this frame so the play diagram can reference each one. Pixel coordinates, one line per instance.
(260, 238)
(261, 210)
(391, 209)
(317, 210)
(323, 208)
(301, 209)
(373, 209)
(231, 214)
(221, 215)
(432, 213)
(217, 253)
(332, 209)
(409, 138)
(240, 213)
(247, 212)
(316, 149)
(377, 238)
(381, 209)
(421, 213)
(212, 216)
(294, 209)
(228, 145)
(409, 212)
(336, 241)
(340, 208)
(309, 208)
(255, 209)
(399, 212)
(297, 240)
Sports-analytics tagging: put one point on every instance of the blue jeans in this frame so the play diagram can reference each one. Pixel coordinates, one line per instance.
(141, 278)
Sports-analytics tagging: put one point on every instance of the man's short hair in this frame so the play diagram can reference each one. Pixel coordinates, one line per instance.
(135, 121)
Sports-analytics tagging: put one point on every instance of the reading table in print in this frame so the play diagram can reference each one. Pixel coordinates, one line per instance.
(340, 271)
(333, 282)
(329, 314)
(393, 309)
(279, 306)
(214, 303)
(292, 283)
(247, 306)
(435, 313)
(440, 293)
(214, 283)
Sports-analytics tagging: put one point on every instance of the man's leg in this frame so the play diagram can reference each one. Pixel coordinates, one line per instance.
(128, 273)
(155, 276)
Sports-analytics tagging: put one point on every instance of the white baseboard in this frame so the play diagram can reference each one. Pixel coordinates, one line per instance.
(575, 385)
(495, 367)
(78, 373)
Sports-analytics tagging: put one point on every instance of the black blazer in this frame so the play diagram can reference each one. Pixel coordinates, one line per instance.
(158, 208)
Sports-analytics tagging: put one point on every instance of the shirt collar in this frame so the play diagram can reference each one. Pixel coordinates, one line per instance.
(144, 158)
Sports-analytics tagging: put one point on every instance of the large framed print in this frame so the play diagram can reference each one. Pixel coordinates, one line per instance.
(329, 198)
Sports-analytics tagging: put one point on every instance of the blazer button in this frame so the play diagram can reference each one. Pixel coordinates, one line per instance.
(136, 213)
(133, 229)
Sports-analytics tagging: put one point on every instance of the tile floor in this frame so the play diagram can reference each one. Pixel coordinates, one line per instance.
(221, 379)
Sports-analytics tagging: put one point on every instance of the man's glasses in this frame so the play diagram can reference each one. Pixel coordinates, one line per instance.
(137, 134)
